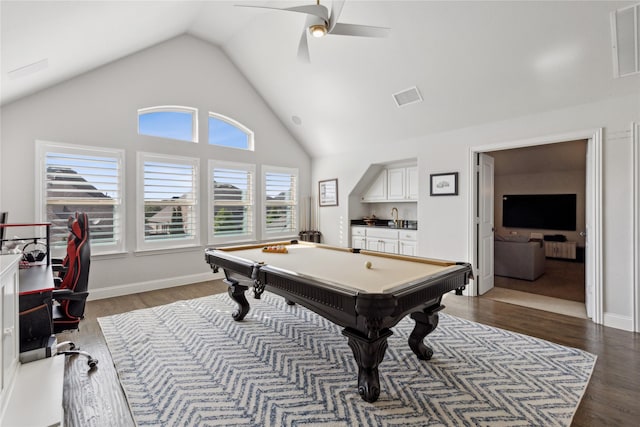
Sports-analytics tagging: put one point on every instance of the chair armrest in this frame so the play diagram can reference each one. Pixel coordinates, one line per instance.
(69, 295)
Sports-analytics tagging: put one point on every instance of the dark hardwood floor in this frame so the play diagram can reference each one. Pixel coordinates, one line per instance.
(611, 399)
(562, 279)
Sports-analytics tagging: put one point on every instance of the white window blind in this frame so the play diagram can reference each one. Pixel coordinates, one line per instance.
(169, 191)
(232, 202)
(86, 179)
(280, 192)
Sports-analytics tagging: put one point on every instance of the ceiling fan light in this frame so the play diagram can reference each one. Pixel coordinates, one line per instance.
(318, 30)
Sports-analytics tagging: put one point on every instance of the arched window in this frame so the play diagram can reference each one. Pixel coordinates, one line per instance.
(172, 122)
(226, 132)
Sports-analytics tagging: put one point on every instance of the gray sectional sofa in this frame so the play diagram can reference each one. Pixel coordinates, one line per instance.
(518, 257)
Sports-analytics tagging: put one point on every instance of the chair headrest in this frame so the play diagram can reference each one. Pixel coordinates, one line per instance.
(78, 225)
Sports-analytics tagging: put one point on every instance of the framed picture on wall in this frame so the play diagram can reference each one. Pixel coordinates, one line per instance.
(328, 192)
(444, 184)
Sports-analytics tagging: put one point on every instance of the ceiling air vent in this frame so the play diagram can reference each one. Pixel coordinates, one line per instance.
(407, 96)
(625, 35)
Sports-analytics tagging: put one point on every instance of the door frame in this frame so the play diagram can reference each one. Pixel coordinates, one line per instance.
(593, 277)
(635, 148)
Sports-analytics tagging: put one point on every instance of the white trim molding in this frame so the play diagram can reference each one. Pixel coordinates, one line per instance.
(151, 285)
(635, 147)
(613, 320)
(594, 218)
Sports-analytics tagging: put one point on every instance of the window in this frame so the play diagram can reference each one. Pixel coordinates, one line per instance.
(173, 122)
(226, 132)
(74, 178)
(280, 202)
(168, 195)
(231, 213)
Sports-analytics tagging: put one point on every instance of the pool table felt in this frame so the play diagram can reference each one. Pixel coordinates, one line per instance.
(342, 268)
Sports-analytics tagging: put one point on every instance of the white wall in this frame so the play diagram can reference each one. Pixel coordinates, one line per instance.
(443, 222)
(99, 108)
(406, 210)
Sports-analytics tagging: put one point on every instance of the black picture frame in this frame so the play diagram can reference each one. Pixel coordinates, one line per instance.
(328, 192)
(444, 184)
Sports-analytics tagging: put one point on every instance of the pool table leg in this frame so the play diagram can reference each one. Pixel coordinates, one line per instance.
(368, 354)
(236, 292)
(258, 289)
(426, 322)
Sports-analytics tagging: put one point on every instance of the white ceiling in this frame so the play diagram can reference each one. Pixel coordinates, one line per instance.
(473, 62)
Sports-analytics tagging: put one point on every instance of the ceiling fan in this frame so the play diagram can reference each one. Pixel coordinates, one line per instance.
(320, 23)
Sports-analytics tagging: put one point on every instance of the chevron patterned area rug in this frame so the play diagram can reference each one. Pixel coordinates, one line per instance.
(189, 364)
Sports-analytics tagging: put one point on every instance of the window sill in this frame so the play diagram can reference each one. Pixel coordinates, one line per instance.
(151, 252)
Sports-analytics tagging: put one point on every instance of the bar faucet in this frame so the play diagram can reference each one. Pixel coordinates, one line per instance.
(395, 218)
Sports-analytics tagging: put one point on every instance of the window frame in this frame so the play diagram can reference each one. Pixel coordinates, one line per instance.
(250, 134)
(249, 167)
(43, 148)
(282, 170)
(142, 244)
(172, 109)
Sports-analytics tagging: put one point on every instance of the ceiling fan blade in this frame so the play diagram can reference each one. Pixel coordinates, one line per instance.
(313, 9)
(359, 30)
(303, 47)
(336, 10)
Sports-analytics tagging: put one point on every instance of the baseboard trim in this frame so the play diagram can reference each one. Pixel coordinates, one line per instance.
(619, 322)
(151, 285)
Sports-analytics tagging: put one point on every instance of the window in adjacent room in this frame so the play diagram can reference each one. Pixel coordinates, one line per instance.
(226, 132)
(74, 178)
(168, 201)
(172, 122)
(280, 202)
(231, 209)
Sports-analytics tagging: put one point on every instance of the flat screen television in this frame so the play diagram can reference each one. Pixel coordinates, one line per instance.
(541, 211)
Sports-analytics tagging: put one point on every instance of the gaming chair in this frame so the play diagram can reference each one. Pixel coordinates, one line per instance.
(47, 312)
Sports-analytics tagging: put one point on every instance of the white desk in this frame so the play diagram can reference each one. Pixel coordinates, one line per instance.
(9, 330)
(38, 382)
(23, 384)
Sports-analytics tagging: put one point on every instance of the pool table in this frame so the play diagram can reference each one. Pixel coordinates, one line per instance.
(365, 292)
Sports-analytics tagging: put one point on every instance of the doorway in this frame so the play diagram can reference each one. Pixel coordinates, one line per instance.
(585, 266)
(556, 175)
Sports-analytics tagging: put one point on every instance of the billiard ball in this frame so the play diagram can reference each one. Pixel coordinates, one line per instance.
(367, 264)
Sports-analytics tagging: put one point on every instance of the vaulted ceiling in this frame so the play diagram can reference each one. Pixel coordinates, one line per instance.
(473, 62)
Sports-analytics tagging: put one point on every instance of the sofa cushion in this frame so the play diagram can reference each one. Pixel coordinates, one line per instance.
(512, 238)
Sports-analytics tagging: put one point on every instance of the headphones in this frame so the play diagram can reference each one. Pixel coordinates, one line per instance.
(34, 252)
